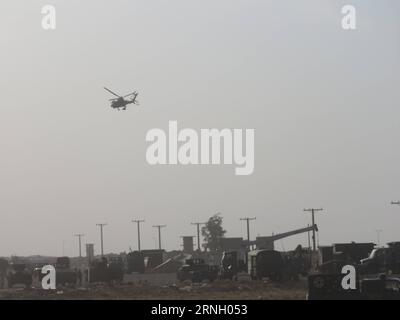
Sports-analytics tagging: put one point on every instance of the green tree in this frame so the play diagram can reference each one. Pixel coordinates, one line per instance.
(212, 232)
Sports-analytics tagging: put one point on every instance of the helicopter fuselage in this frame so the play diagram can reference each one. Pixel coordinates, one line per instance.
(120, 103)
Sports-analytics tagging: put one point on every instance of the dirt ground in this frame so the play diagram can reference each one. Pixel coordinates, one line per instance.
(235, 290)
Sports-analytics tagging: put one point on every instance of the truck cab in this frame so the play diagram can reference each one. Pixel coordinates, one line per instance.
(383, 260)
(376, 261)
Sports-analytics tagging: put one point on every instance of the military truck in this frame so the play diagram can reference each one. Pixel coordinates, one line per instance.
(329, 287)
(278, 266)
(19, 274)
(385, 260)
(116, 269)
(135, 262)
(104, 270)
(266, 264)
(333, 258)
(64, 273)
(196, 270)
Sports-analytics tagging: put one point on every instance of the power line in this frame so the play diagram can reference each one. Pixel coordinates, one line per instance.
(138, 231)
(313, 210)
(101, 225)
(247, 219)
(80, 235)
(159, 233)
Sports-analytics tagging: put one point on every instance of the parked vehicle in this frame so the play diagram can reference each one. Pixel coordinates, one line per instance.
(385, 260)
(265, 264)
(278, 266)
(196, 270)
(135, 262)
(105, 271)
(329, 287)
(231, 265)
(64, 273)
(19, 274)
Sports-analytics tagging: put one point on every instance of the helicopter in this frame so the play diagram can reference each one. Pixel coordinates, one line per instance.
(120, 102)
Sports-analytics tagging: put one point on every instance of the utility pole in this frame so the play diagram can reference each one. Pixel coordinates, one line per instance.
(198, 224)
(101, 225)
(80, 235)
(313, 210)
(155, 242)
(159, 234)
(378, 236)
(247, 219)
(138, 231)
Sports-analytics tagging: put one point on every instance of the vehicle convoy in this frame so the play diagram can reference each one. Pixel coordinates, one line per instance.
(329, 287)
(196, 270)
(19, 274)
(233, 262)
(385, 260)
(278, 266)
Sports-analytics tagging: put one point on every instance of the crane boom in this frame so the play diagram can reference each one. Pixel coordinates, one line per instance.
(268, 241)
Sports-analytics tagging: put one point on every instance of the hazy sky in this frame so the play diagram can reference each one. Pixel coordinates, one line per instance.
(324, 104)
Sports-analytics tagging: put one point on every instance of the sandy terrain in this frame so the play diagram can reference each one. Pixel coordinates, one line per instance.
(133, 290)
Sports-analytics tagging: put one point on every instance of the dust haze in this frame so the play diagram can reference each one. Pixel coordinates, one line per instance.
(323, 103)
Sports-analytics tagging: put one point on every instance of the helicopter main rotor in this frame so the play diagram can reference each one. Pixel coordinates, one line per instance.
(113, 93)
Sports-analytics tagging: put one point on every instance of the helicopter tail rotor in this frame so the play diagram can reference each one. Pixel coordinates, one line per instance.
(135, 94)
